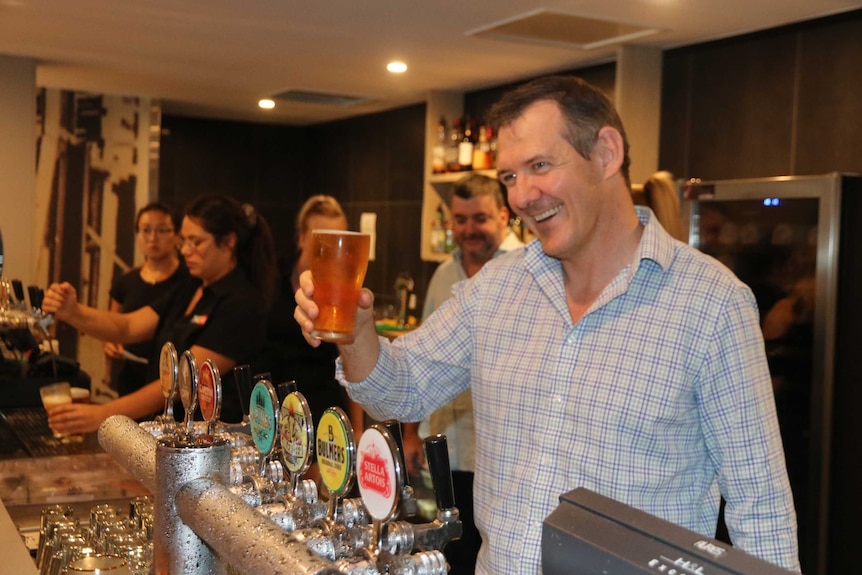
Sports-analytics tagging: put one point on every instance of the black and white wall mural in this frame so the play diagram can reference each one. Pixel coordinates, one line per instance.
(92, 173)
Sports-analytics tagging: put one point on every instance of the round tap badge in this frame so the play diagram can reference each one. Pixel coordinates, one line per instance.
(378, 470)
(187, 382)
(209, 391)
(263, 416)
(168, 366)
(335, 449)
(296, 432)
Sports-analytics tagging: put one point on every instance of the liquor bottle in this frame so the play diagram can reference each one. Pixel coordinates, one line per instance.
(492, 144)
(482, 151)
(465, 147)
(438, 232)
(449, 242)
(454, 139)
(438, 152)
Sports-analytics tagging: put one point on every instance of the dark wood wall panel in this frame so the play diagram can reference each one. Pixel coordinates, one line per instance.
(742, 108)
(830, 99)
(369, 163)
(258, 163)
(779, 102)
(478, 102)
(676, 114)
(375, 163)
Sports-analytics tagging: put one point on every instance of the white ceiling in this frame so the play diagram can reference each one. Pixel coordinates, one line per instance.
(216, 58)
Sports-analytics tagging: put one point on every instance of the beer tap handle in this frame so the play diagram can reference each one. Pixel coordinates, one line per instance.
(243, 380)
(35, 297)
(284, 389)
(393, 426)
(437, 455)
(18, 288)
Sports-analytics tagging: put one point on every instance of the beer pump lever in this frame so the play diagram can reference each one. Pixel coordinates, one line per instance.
(408, 505)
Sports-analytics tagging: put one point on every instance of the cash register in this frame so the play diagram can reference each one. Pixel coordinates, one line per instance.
(590, 534)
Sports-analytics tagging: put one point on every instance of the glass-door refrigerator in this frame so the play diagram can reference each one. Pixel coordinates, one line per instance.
(797, 242)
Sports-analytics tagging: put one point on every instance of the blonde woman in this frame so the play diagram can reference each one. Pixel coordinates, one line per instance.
(659, 193)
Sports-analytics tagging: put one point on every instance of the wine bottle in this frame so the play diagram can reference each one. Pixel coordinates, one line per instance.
(465, 147)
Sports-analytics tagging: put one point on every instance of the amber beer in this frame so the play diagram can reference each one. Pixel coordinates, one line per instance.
(338, 263)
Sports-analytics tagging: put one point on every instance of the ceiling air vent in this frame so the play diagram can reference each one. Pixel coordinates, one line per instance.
(321, 98)
(562, 30)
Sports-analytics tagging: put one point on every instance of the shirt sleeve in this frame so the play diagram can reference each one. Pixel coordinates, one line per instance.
(422, 370)
(742, 435)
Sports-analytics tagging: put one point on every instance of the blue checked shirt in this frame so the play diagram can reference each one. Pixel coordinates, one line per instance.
(659, 397)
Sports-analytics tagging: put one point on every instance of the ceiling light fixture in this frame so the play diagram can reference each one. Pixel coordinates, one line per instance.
(396, 67)
(266, 104)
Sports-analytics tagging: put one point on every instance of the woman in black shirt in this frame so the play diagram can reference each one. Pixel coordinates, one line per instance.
(157, 236)
(219, 314)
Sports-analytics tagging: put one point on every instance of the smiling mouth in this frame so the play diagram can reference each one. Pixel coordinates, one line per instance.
(546, 214)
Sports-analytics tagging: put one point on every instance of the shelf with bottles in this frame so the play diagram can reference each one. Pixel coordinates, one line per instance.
(453, 149)
(448, 178)
(464, 146)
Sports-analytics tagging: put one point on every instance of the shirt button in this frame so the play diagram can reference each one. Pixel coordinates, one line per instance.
(546, 460)
(557, 399)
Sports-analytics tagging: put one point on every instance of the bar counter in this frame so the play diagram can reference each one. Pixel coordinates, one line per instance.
(38, 470)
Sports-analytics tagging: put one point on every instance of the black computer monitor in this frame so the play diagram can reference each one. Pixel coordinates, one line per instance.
(590, 534)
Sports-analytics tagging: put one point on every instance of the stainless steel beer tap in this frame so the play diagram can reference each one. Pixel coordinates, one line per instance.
(446, 526)
(403, 285)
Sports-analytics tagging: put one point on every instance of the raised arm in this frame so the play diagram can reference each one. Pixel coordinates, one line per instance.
(113, 350)
(62, 301)
(360, 356)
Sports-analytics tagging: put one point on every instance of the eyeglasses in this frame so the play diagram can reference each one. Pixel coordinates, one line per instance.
(155, 231)
(193, 242)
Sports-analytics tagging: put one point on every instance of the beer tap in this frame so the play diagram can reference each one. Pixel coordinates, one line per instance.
(243, 380)
(209, 395)
(395, 546)
(43, 321)
(446, 526)
(259, 487)
(403, 285)
(187, 384)
(299, 506)
(408, 506)
(344, 528)
(168, 377)
(400, 538)
(18, 289)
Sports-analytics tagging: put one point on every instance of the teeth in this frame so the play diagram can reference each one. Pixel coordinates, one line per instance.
(547, 214)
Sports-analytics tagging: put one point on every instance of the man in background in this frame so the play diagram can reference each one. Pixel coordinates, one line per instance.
(480, 228)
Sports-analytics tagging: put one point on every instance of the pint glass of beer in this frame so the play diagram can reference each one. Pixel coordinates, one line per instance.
(338, 263)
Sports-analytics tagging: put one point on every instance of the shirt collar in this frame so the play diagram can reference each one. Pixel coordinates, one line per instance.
(655, 245)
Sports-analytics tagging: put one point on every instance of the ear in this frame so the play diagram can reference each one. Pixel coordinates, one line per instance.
(504, 215)
(609, 149)
(230, 241)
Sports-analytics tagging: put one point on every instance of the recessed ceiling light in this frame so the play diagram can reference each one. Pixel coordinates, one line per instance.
(266, 104)
(396, 67)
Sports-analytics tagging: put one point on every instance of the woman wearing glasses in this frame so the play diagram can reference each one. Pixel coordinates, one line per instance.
(156, 234)
(219, 314)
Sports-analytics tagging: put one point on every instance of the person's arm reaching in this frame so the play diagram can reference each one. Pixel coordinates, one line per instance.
(62, 301)
(113, 350)
(83, 418)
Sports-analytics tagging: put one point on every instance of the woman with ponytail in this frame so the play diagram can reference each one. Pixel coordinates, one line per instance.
(219, 314)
